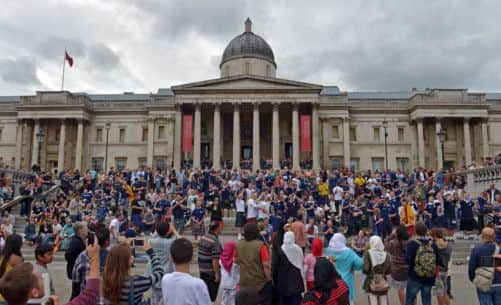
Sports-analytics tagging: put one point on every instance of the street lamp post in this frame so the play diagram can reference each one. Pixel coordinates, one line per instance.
(385, 126)
(40, 137)
(108, 127)
(441, 136)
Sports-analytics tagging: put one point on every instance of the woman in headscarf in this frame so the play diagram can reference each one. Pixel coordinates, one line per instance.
(310, 260)
(377, 265)
(328, 288)
(346, 261)
(287, 266)
(230, 274)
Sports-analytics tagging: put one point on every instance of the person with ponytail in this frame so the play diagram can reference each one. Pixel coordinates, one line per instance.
(117, 280)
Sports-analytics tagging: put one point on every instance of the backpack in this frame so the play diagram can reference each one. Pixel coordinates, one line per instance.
(425, 261)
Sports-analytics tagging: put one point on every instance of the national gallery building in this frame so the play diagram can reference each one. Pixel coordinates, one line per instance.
(249, 118)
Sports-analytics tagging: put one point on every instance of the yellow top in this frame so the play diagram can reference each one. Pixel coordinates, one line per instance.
(7, 269)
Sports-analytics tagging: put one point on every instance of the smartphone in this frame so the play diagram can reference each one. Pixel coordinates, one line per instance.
(139, 242)
(90, 238)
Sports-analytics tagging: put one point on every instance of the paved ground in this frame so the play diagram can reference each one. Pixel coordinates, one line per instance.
(463, 291)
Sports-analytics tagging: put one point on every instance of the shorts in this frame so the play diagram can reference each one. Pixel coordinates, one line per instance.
(397, 284)
(440, 288)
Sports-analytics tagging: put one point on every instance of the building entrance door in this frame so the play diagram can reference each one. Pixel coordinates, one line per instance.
(53, 166)
(288, 150)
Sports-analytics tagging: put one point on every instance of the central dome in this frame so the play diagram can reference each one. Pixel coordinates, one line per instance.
(248, 45)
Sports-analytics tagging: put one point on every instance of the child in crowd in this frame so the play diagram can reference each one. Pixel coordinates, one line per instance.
(230, 274)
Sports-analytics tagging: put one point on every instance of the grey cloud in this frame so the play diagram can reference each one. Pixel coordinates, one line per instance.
(22, 71)
(216, 19)
(53, 47)
(103, 57)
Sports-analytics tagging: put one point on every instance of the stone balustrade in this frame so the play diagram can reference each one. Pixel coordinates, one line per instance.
(479, 179)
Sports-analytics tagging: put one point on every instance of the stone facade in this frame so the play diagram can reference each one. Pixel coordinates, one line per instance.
(249, 113)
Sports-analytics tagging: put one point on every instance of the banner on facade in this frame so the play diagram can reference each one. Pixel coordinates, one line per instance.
(187, 133)
(305, 133)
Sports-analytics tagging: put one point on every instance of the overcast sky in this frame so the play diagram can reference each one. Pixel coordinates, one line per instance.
(144, 45)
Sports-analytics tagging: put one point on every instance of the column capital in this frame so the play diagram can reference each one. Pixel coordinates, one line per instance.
(256, 105)
(466, 119)
(346, 119)
(276, 105)
(419, 120)
(438, 119)
(217, 105)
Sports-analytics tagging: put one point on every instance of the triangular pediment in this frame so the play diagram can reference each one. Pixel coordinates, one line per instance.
(246, 83)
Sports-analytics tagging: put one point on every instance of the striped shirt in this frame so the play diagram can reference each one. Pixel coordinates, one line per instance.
(142, 283)
(208, 248)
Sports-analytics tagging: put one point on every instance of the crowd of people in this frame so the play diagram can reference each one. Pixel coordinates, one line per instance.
(301, 235)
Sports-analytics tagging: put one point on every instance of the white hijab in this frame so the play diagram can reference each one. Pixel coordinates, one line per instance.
(338, 243)
(376, 250)
(292, 251)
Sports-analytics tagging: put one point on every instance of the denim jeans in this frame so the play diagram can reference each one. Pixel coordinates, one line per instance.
(413, 288)
(490, 298)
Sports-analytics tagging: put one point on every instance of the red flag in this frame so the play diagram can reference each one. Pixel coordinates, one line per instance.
(187, 132)
(305, 133)
(68, 58)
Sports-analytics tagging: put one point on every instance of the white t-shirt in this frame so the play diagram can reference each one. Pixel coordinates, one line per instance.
(338, 193)
(114, 227)
(251, 209)
(240, 205)
(264, 210)
(183, 289)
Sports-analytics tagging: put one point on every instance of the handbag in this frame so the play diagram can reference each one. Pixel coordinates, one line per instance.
(484, 276)
(378, 284)
(131, 295)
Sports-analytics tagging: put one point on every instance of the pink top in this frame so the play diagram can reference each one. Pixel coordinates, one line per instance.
(310, 261)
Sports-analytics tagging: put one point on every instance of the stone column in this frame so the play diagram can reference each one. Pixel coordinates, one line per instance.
(62, 141)
(315, 151)
(216, 139)
(420, 142)
(467, 143)
(197, 137)
(296, 152)
(177, 138)
(325, 141)
(19, 144)
(236, 136)
(414, 145)
(151, 139)
(34, 151)
(438, 127)
(346, 142)
(485, 140)
(275, 145)
(256, 156)
(78, 153)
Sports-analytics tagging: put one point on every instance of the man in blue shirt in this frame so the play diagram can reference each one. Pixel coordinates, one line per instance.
(481, 256)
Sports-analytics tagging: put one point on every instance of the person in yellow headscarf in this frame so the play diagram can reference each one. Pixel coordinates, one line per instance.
(408, 216)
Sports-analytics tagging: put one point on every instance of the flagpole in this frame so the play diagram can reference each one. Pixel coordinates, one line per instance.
(64, 64)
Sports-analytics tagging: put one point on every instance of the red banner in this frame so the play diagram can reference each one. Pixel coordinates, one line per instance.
(305, 133)
(187, 133)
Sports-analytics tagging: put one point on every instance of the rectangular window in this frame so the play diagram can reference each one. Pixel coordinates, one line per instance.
(335, 131)
(355, 164)
(161, 132)
(401, 136)
(144, 136)
(376, 134)
(97, 163)
(337, 162)
(57, 134)
(1, 134)
(141, 161)
(403, 163)
(203, 128)
(353, 133)
(120, 163)
(378, 163)
(121, 137)
(160, 162)
(99, 135)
